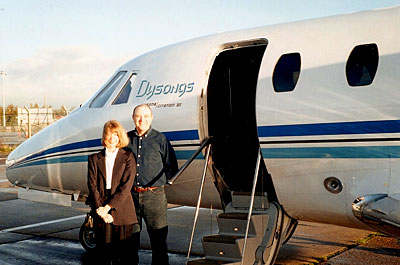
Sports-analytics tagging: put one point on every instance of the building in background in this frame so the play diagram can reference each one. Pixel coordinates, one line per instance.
(37, 116)
(21, 126)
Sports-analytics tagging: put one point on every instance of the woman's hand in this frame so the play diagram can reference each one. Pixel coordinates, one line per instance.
(108, 219)
(103, 211)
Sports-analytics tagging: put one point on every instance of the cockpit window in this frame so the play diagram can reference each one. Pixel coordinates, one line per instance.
(123, 95)
(107, 91)
(362, 65)
(286, 72)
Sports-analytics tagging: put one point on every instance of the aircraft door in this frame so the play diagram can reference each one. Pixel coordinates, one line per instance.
(231, 97)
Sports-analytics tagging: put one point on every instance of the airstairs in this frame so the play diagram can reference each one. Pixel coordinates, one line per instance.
(262, 241)
(250, 228)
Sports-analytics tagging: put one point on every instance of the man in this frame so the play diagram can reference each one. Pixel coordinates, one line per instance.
(156, 164)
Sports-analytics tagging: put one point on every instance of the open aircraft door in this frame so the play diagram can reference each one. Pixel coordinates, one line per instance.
(253, 225)
(231, 119)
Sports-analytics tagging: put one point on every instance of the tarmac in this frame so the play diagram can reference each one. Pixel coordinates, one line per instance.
(39, 233)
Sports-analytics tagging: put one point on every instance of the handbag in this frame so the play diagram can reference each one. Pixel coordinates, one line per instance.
(88, 221)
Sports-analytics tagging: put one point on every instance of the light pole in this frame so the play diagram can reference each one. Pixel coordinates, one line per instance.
(3, 73)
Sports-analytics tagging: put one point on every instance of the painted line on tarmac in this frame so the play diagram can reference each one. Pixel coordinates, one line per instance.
(41, 224)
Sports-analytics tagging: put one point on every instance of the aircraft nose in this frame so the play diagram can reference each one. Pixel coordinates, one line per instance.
(12, 158)
(9, 162)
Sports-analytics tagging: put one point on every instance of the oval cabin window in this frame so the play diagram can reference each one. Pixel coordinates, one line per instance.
(286, 72)
(362, 65)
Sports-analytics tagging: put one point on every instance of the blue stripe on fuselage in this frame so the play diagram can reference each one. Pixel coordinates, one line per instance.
(180, 154)
(171, 136)
(345, 152)
(58, 160)
(67, 147)
(338, 128)
(182, 135)
(320, 129)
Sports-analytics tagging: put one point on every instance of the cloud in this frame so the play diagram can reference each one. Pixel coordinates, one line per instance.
(60, 75)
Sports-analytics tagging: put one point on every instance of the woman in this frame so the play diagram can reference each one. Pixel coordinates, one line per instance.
(110, 177)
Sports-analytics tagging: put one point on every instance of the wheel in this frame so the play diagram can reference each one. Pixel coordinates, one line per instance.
(87, 238)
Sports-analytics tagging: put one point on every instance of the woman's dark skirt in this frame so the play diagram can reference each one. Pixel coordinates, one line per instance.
(107, 233)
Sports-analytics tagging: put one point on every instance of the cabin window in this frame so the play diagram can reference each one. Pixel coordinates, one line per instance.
(362, 65)
(286, 72)
(123, 95)
(106, 92)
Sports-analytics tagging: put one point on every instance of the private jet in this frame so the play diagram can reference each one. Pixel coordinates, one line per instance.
(273, 125)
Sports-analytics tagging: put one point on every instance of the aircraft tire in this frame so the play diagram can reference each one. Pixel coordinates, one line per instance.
(87, 238)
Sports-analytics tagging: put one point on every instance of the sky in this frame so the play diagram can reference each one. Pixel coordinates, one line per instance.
(59, 52)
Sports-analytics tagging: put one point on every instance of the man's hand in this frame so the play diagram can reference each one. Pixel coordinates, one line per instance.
(103, 211)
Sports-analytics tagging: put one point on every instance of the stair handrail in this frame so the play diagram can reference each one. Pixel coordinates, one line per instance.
(199, 200)
(191, 159)
(253, 192)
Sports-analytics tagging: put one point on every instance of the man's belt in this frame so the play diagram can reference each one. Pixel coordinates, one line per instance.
(139, 189)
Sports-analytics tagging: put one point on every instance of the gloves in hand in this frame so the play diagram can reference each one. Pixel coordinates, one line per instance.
(108, 219)
(103, 211)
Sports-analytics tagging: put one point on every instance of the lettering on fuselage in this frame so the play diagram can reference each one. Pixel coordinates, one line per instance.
(148, 90)
(164, 105)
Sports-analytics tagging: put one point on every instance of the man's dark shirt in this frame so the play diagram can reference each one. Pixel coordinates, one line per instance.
(155, 158)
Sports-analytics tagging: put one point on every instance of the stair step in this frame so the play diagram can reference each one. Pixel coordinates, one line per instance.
(204, 261)
(242, 200)
(226, 239)
(238, 216)
(222, 247)
(235, 224)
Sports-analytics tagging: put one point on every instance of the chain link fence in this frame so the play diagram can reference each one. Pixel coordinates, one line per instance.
(14, 134)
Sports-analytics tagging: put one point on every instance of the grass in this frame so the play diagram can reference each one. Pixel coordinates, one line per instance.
(323, 259)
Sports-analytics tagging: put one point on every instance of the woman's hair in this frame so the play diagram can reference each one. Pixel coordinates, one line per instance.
(115, 127)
